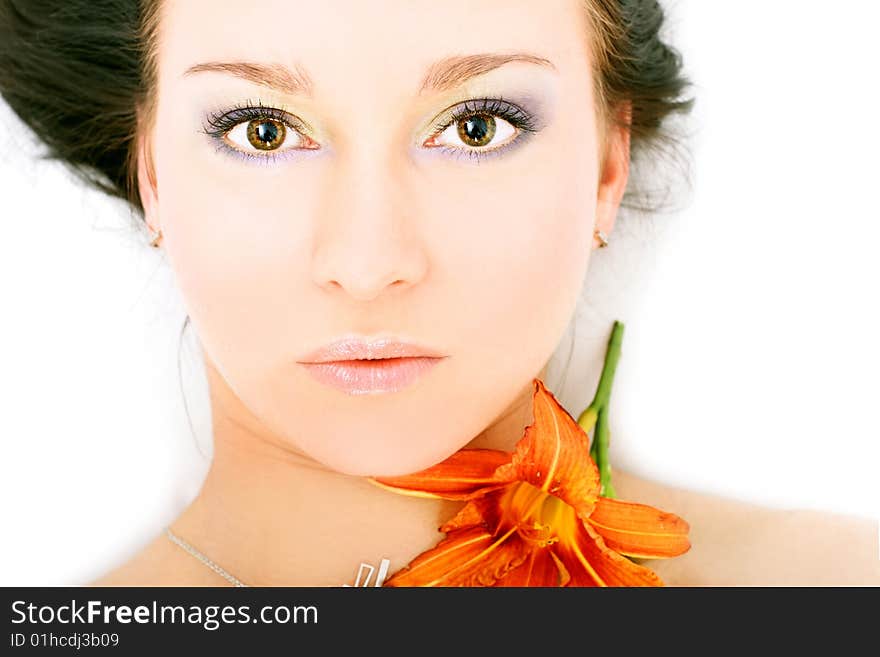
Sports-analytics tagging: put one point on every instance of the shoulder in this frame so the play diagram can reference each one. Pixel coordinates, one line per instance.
(740, 544)
(159, 563)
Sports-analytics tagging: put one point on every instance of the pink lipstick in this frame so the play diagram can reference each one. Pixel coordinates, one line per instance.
(358, 366)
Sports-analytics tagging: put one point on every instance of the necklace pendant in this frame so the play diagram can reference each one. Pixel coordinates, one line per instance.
(365, 572)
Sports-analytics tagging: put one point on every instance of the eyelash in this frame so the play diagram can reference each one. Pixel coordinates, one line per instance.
(499, 107)
(218, 124)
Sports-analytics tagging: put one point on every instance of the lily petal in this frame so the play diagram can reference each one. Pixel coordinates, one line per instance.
(639, 530)
(466, 557)
(554, 455)
(484, 511)
(592, 563)
(466, 474)
(541, 568)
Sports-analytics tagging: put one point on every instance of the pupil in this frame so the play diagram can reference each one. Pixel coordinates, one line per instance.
(477, 130)
(267, 132)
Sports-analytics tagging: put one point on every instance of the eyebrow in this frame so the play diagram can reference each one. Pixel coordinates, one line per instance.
(453, 71)
(441, 76)
(293, 82)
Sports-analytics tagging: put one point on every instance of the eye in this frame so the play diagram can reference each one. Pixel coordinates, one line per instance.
(482, 125)
(476, 131)
(257, 131)
(266, 134)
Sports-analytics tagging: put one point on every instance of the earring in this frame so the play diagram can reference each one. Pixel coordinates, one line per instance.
(602, 237)
(154, 238)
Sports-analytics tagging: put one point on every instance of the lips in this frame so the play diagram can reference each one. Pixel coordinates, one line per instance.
(357, 366)
(354, 348)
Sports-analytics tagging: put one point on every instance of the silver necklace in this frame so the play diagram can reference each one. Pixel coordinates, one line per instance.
(365, 570)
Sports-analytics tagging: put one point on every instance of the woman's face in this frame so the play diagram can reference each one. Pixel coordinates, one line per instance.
(373, 200)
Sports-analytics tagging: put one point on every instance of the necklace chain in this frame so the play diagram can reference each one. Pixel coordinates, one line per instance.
(365, 570)
(203, 558)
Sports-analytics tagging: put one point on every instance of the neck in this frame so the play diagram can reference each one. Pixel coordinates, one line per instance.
(270, 515)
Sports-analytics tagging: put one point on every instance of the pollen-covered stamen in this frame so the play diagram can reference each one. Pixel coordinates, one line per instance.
(537, 534)
(539, 517)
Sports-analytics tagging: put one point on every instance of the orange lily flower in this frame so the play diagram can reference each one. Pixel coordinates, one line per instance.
(535, 517)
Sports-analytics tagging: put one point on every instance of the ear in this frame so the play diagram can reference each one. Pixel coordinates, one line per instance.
(146, 179)
(615, 172)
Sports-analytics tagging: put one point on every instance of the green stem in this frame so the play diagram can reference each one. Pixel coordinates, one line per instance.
(601, 441)
(596, 414)
(612, 356)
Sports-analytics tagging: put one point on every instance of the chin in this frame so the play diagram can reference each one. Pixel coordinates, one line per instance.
(367, 459)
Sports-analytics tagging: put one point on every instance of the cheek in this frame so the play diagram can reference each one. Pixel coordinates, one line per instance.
(235, 242)
(520, 260)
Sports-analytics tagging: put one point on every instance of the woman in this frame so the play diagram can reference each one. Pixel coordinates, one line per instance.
(417, 184)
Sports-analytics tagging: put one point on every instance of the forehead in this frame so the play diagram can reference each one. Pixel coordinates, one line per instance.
(360, 46)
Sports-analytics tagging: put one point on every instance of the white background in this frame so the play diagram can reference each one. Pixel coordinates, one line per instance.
(750, 359)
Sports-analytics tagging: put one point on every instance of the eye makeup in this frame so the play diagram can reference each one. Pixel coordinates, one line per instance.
(524, 122)
(218, 124)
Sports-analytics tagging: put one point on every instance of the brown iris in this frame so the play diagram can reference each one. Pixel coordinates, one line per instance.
(477, 130)
(266, 134)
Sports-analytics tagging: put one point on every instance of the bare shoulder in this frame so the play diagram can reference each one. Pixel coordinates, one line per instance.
(735, 543)
(160, 563)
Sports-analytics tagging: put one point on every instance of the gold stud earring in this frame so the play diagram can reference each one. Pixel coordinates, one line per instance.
(155, 237)
(602, 237)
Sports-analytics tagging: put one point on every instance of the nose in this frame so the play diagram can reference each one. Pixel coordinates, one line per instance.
(367, 238)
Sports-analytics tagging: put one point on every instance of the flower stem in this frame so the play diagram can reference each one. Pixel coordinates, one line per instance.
(596, 414)
(600, 441)
(612, 356)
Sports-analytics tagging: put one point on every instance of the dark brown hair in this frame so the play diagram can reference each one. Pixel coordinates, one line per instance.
(80, 74)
